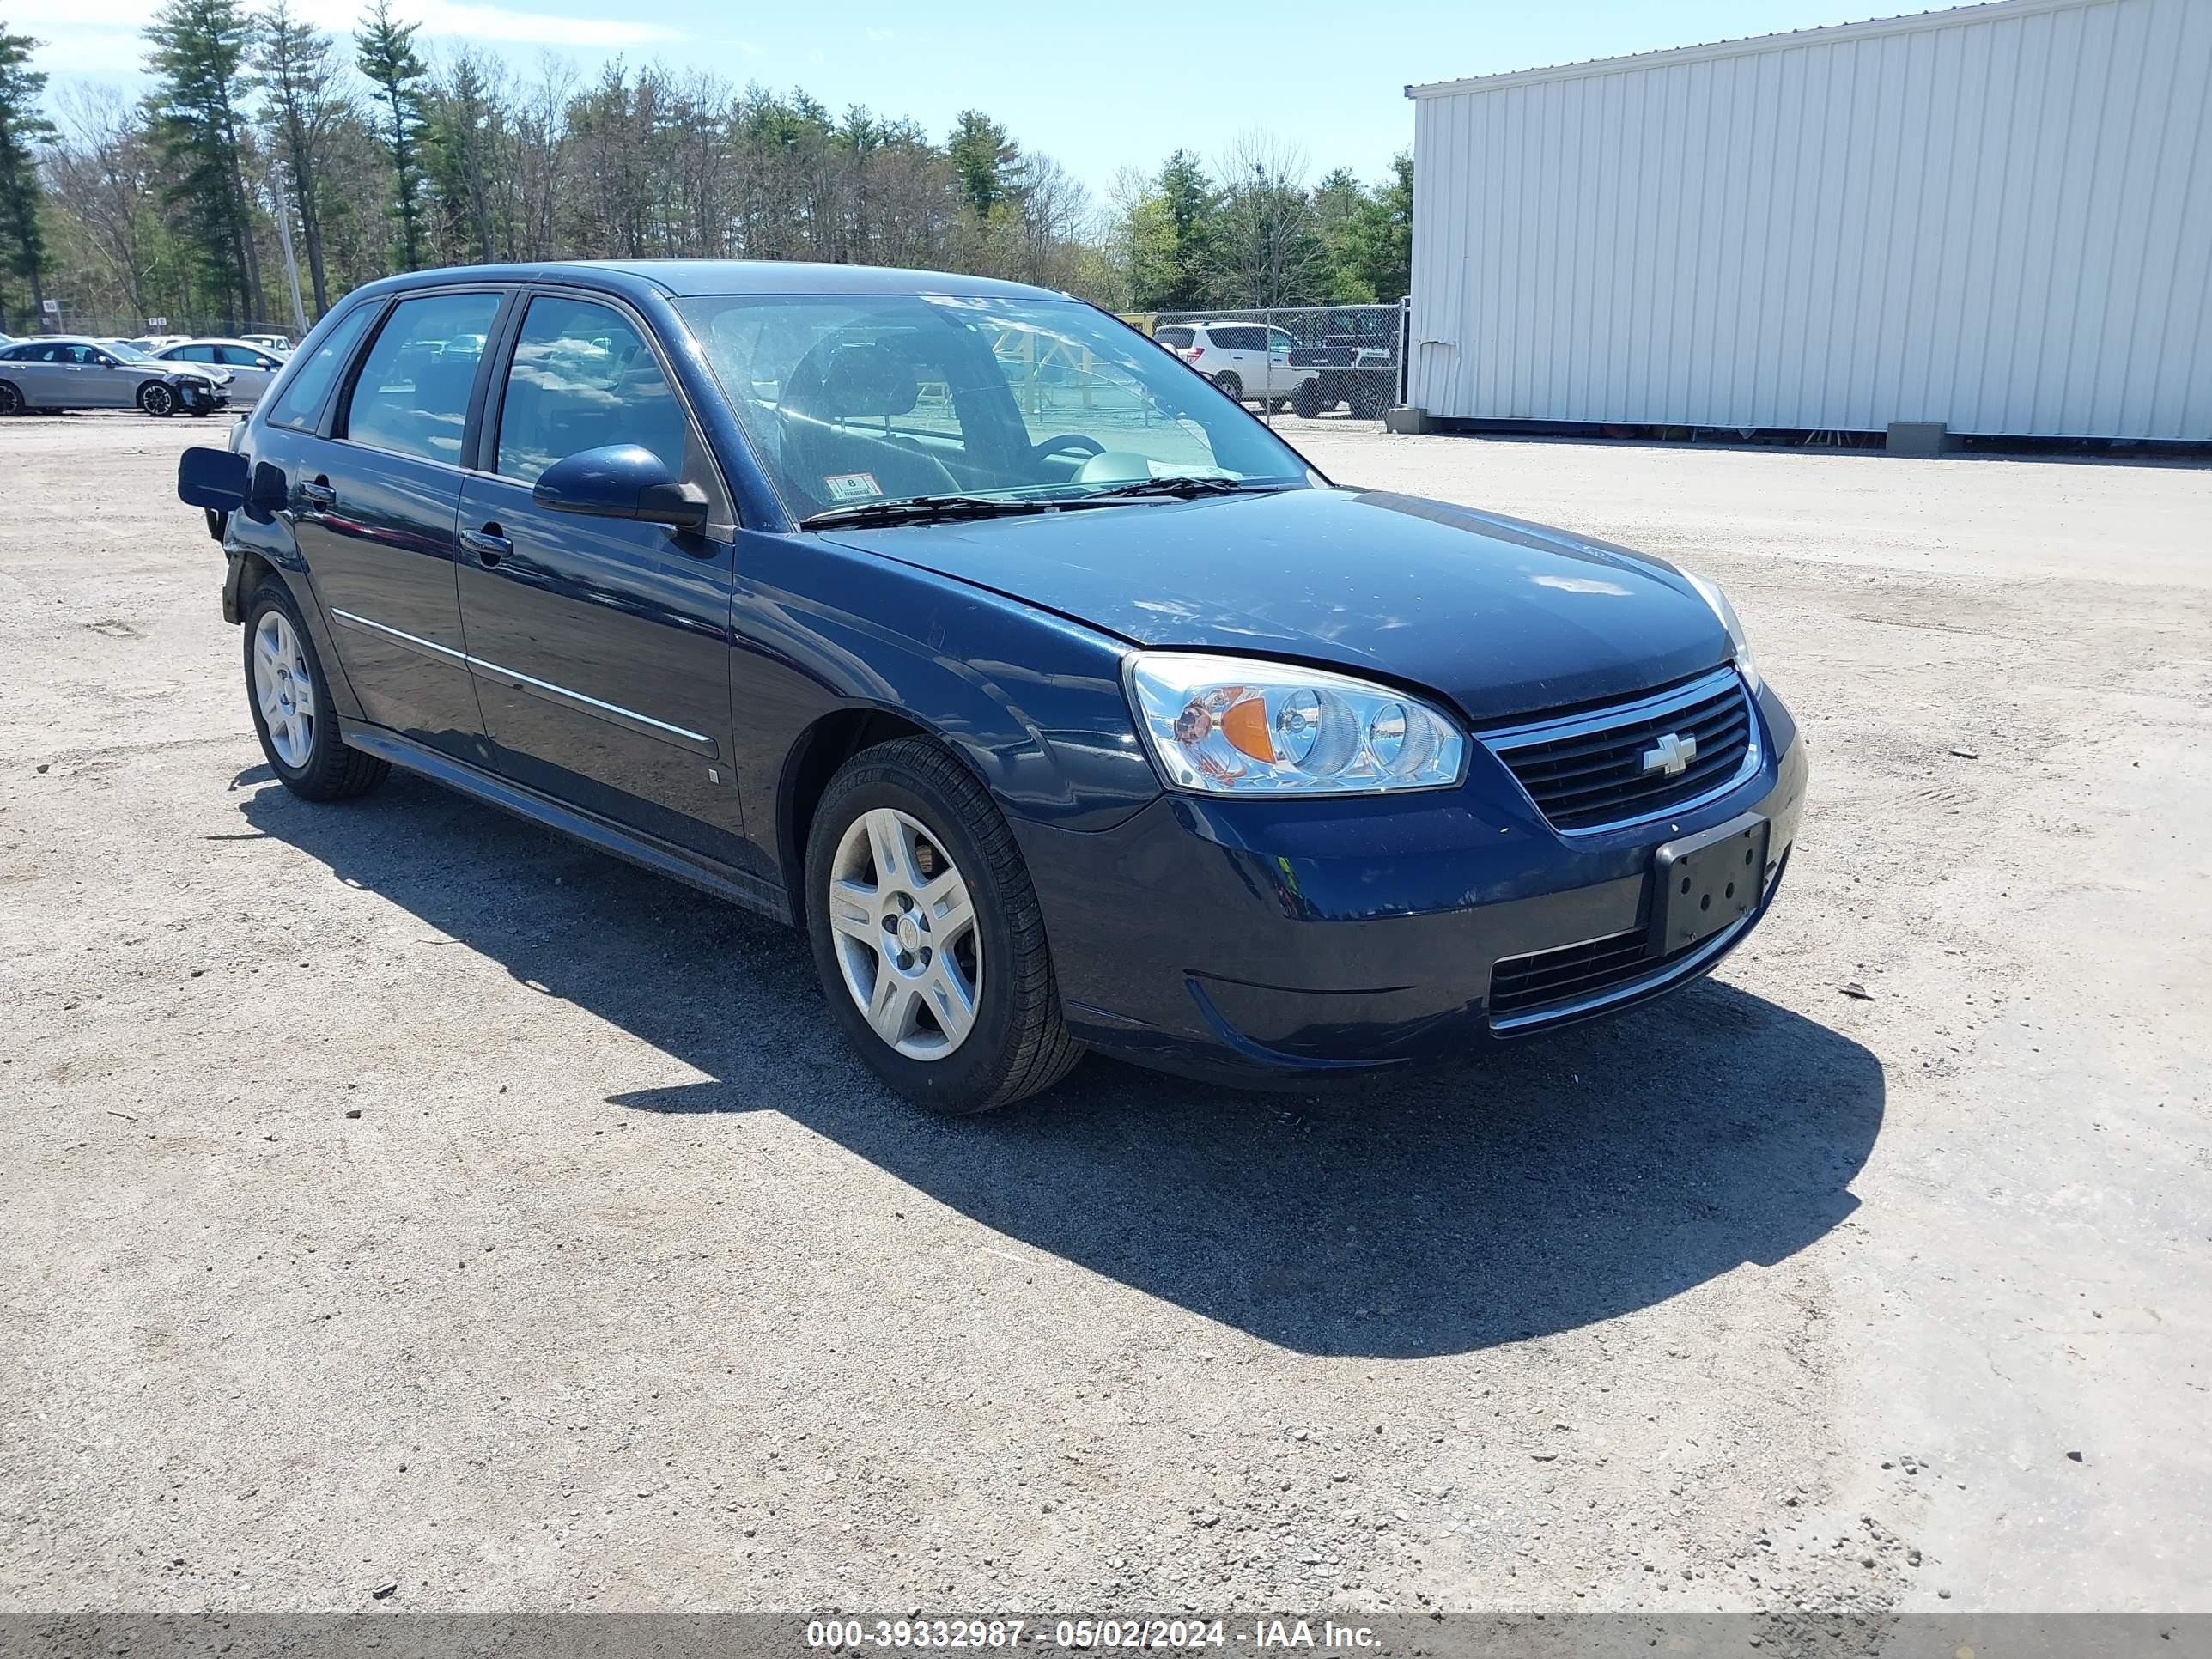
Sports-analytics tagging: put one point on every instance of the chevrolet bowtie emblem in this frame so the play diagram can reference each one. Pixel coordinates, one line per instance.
(1672, 756)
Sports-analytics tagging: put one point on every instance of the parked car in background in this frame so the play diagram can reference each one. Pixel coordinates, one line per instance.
(72, 372)
(152, 343)
(1250, 361)
(251, 367)
(279, 344)
(1356, 362)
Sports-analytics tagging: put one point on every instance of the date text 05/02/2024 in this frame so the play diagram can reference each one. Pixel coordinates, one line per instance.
(1087, 1634)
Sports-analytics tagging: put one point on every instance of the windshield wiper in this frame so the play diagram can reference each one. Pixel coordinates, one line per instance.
(925, 509)
(1186, 488)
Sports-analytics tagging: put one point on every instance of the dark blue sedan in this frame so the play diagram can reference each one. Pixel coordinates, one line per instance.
(1060, 701)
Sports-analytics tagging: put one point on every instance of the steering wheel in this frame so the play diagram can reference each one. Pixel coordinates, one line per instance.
(1075, 442)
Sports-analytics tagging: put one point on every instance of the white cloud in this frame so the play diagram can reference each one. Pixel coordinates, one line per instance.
(536, 29)
(101, 36)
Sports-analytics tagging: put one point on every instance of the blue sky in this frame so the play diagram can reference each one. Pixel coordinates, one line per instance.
(1100, 88)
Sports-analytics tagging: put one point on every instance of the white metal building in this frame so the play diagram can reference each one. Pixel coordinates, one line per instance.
(1998, 218)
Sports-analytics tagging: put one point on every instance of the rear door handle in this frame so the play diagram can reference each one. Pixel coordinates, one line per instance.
(488, 545)
(319, 494)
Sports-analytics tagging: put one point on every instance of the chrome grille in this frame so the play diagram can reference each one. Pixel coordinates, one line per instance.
(1589, 771)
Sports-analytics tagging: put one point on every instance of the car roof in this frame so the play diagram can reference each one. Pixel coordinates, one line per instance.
(211, 339)
(686, 277)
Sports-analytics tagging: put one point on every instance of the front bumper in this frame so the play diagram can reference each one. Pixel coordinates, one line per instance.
(1298, 938)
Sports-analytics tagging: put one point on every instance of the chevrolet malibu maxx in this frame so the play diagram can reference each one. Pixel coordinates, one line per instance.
(1060, 701)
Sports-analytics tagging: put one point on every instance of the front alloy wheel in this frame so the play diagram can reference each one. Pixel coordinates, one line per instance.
(284, 689)
(157, 399)
(291, 702)
(907, 940)
(928, 934)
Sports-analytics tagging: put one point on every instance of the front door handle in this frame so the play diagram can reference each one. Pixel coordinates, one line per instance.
(488, 545)
(319, 494)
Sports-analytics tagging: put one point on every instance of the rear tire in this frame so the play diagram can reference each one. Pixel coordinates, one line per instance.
(293, 713)
(1305, 402)
(1231, 385)
(11, 400)
(157, 400)
(917, 899)
(1368, 401)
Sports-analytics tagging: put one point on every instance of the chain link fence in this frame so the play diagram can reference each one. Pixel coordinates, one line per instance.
(23, 323)
(1295, 363)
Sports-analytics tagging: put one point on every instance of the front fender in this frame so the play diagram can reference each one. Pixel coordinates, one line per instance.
(1032, 702)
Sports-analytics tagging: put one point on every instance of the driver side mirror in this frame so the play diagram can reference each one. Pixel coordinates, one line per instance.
(213, 478)
(621, 481)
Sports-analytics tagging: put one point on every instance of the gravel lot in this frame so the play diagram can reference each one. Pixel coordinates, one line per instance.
(396, 1195)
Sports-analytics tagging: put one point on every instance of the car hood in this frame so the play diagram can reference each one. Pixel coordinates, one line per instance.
(198, 371)
(1502, 617)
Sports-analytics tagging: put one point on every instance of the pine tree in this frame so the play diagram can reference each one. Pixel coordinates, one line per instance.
(23, 128)
(985, 161)
(197, 107)
(457, 139)
(384, 50)
(299, 68)
(1377, 253)
(1189, 199)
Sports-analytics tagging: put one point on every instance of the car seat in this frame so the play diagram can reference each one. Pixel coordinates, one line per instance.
(833, 462)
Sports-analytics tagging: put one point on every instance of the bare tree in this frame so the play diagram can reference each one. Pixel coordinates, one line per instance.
(1266, 245)
(302, 72)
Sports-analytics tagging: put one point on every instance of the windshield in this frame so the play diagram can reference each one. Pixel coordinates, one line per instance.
(860, 399)
(125, 351)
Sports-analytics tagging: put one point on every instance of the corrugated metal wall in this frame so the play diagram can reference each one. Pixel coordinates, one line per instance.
(2000, 219)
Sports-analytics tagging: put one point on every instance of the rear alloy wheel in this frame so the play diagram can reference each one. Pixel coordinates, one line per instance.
(157, 399)
(1232, 385)
(11, 401)
(928, 935)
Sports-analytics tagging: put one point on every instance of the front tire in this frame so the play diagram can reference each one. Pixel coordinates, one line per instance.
(928, 934)
(157, 400)
(11, 400)
(293, 713)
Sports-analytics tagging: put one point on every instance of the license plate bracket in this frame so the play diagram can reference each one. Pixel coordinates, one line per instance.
(1706, 882)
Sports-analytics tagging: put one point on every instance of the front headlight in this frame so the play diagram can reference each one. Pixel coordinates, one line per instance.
(1710, 592)
(1231, 725)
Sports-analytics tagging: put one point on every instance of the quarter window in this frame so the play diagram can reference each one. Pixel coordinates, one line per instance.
(412, 393)
(310, 383)
(584, 377)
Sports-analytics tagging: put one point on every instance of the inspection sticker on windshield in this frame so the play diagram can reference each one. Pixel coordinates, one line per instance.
(851, 486)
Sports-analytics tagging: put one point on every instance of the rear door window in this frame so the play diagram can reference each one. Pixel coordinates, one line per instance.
(310, 383)
(411, 395)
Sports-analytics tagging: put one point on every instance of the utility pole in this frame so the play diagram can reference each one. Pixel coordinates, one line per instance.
(291, 264)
